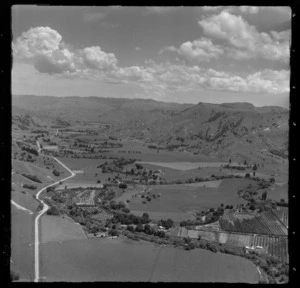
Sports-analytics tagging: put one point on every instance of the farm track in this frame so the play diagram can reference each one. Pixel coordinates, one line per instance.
(43, 211)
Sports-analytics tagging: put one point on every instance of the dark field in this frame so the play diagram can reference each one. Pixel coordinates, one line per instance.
(125, 260)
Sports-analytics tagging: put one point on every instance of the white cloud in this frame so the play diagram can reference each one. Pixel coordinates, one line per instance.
(44, 49)
(133, 73)
(40, 40)
(198, 50)
(137, 48)
(95, 58)
(43, 46)
(185, 78)
(246, 41)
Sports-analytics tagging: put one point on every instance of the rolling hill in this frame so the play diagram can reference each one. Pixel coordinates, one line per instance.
(237, 130)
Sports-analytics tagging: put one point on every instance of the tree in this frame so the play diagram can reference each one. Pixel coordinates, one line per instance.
(52, 211)
(113, 232)
(191, 246)
(139, 228)
(130, 228)
(161, 234)
(138, 166)
(56, 173)
(148, 229)
(272, 180)
(122, 186)
(247, 175)
(264, 195)
(126, 210)
(187, 240)
(145, 218)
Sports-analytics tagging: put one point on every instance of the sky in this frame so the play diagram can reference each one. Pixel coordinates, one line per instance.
(213, 54)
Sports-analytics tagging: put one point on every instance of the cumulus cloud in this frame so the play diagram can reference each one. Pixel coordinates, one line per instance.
(95, 58)
(246, 41)
(133, 73)
(44, 49)
(198, 50)
(43, 46)
(169, 77)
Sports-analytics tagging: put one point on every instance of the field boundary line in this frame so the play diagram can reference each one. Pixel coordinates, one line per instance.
(20, 207)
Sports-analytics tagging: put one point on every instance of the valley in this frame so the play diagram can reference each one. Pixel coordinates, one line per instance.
(148, 180)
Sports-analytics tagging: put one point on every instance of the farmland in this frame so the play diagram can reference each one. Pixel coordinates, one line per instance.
(126, 260)
(54, 229)
(276, 246)
(185, 165)
(124, 188)
(182, 199)
(22, 254)
(266, 223)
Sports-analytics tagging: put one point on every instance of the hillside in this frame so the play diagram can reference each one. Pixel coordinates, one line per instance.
(237, 130)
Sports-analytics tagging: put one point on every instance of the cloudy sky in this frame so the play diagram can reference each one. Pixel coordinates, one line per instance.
(178, 54)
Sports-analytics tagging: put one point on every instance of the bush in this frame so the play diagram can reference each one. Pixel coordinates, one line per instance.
(32, 178)
(122, 186)
(52, 211)
(113, 232)
(126, 210)
(130, 228)
(139, 228)
(55, 173)
(32, 187)
(191, 246)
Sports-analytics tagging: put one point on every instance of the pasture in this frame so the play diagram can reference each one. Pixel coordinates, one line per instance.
(185, 165)
(22, 243)
(153, 155)
(127, 260)
(55, 228)
(183, 199)
(208, 184)
(279, 192)
(87, 171)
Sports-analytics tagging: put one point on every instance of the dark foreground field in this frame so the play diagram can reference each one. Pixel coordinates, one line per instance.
(127, 260)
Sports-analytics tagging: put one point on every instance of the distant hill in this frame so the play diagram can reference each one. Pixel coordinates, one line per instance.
(237, 130)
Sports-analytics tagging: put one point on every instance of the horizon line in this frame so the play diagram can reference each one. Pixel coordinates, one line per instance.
(145, 99)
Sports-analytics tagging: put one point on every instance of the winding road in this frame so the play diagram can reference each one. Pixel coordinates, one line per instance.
(43, 211)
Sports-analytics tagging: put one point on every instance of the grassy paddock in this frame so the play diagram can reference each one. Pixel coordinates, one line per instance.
(185, 198)
(55, 228)
(22, 240)
(126, 260)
